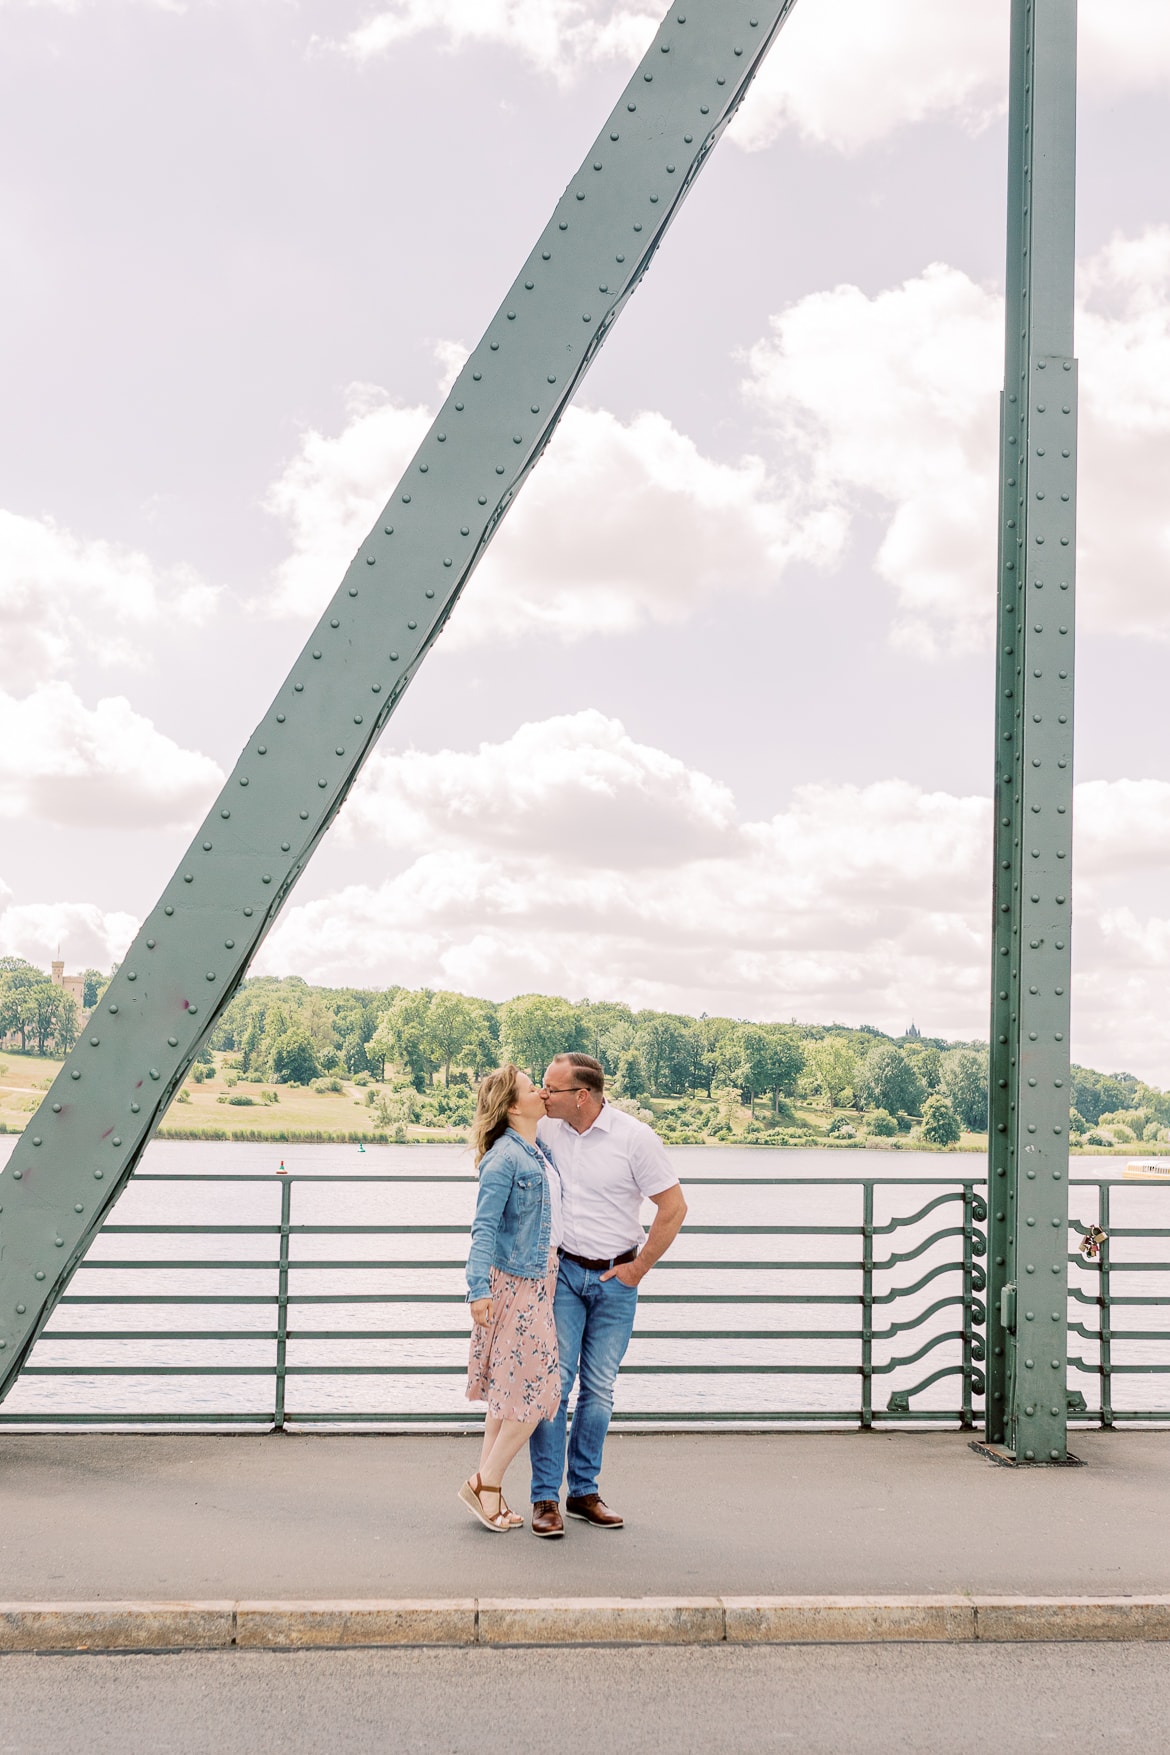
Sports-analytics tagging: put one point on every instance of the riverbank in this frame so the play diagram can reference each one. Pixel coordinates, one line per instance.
(216, 1104)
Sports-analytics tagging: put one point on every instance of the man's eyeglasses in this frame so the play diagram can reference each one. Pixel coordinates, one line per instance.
(561, 1090)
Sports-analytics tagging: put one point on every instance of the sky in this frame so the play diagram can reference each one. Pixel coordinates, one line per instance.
(711, 729)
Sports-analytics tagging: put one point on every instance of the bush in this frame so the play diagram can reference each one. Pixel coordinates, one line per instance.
(1124, 1136)
(270, 1096)
(1076, 1121)
(327, 1087)
(882, 1123)
(1096, 1139)
(839, 1125)
(940, 1124)
(184, 1095)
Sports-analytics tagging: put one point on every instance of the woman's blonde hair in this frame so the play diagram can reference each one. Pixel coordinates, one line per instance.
(497, 1094)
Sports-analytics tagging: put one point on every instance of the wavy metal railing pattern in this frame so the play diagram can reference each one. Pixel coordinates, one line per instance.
(862, 1296)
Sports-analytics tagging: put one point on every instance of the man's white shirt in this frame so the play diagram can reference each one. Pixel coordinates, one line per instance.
(606, 1173)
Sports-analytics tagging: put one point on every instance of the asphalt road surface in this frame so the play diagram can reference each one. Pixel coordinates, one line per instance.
(812, 1700)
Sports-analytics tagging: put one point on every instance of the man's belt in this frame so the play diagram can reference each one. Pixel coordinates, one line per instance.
(597, 1267)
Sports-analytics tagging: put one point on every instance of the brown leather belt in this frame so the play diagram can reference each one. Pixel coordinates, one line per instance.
(597, 1267)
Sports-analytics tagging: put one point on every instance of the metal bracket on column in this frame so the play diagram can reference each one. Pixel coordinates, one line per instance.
(193, 950)
(1031, 961)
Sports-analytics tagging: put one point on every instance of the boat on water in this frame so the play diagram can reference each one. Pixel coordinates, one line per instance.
(1147, 1170)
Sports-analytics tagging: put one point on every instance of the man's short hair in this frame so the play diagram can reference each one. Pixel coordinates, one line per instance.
(589, 1072)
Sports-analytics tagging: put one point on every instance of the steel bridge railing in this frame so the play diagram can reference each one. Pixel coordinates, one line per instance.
(863, 1296)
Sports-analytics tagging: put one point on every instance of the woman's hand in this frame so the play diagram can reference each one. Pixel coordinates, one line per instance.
(481, 1312)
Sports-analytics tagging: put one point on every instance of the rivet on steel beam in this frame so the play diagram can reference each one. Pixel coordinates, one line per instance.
(56, 1108)
(36, 1139)
(704, 109)
(94, 1040)
(430, 594)
(304, 819)
(353, 590)
(40, 1274)
(248, 912)
(375, 688)
(321, 783)
(394, 658)
(18, 1175)
(339, 750)
(721, 80)
(98, 1174)
(112, 1008)
(117, 1140)
(207, 847)
(75, 1074)
(211, 975)
(637, 228)
(134, 1108)
(285, 847)
(266, 877)
(333, 623)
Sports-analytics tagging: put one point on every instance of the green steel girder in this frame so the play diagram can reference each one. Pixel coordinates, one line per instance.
(1031, 961)
(80, 1148)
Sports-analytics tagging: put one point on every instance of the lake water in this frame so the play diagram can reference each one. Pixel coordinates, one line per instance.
(715, 1320)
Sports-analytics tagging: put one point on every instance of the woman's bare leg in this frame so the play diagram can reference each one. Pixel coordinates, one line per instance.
(491, 1431)
(509, 1441)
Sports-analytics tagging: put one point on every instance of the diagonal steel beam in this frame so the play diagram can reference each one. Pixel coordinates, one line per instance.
(1031, 961)
(80, 1148)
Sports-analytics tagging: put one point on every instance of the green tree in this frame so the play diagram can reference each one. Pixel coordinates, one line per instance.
(65, 1033)
(293, 1059)
(41, 1006)
(664, 1043)
(16, 978)
(401, 1033)
(630, 1079)
(93, 985)
(833, 1065)
(534, 1028)
(447, 1029)
(963, 1083)
(940, 1124)
(886, 1080)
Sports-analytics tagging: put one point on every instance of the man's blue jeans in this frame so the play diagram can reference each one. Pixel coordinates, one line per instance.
(595, 1319)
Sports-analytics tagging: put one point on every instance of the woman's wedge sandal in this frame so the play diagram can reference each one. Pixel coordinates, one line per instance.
(513, 1521)
(470, 1493)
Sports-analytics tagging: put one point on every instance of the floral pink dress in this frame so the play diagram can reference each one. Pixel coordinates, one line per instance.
(514, 1366)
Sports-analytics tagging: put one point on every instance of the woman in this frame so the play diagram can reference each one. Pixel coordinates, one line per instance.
(511, 1278)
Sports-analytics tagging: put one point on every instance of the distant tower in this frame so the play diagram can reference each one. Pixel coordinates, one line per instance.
(913, 1034)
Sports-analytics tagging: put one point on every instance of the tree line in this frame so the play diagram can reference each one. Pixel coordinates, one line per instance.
(285, 1031)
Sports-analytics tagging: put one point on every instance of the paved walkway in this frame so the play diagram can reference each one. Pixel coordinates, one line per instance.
(104, 1518)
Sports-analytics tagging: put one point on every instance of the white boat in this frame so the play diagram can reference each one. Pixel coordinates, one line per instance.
(1147, 1170)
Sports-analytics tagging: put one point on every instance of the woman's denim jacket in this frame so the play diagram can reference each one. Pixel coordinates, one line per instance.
(512, 1227)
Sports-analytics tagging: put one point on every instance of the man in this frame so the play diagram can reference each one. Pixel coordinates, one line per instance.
(609, 1162)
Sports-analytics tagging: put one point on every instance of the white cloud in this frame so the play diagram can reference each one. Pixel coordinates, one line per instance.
(891, 401)
(559, 38)
(844, 73)
(105, 767)
(578, 783)
(64, 599)
(622, 524)
(330, 493)
(859, 903)
(86, 936)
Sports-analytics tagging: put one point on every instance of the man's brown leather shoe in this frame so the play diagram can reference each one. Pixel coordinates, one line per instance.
(590, 1508)
(546, 1518)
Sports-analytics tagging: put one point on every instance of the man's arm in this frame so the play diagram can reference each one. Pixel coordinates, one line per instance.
(672, 1210)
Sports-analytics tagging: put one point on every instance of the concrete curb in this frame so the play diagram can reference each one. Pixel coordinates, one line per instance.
(466, 1621)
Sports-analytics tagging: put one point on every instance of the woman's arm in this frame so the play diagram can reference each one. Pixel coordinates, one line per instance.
(495, 1185)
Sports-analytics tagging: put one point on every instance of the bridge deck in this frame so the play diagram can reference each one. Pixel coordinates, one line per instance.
(117, 1517)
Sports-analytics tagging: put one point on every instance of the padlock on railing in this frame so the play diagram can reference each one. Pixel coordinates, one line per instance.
(1091, 1242)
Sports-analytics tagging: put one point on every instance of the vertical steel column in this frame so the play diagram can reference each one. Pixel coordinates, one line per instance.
(1029, 1109)
(867, 1307)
